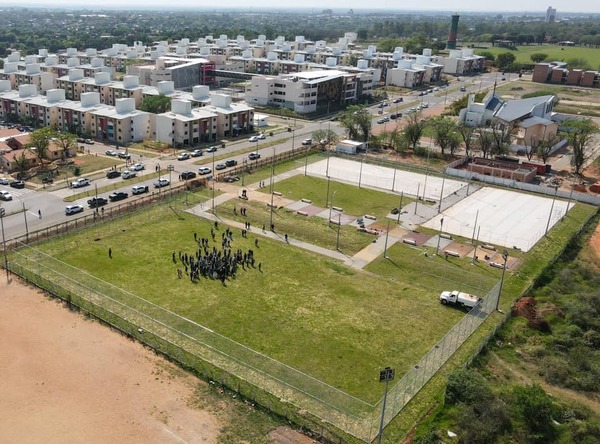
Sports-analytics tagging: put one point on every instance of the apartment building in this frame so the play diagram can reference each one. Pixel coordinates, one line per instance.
(557, 72)
(76, 116)
(184, 125)
(121, 124)
(232, 118)
(183, 72)
(462, 62)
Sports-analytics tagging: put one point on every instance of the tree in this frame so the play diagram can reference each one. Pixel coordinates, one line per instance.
(357, 122)
(414, 129)
(535, 406)
(505, 59)
(466, 133)
(39, 142)
(500, 134)
(21, 164)
(325, 134)
(65, 141)
(579, 134)
(543, 149)
(538, 57)
(488, 55)
(484, 141)
(444, 132)
(156, 104)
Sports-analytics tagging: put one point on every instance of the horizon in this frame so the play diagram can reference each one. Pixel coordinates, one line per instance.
(186, 5)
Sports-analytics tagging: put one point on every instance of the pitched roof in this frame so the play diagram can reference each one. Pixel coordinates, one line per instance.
(516, 109)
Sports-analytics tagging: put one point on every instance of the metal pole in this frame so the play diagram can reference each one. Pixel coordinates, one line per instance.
(441, 194)
(306, 160)
(327, 196)
(213, 183)
(476, 242)
(385, 256)
(337, 241)
(272, 172)
(4, 245)
(551, 210)
(400, 206)
(331, 207)
(474, 227)
(360, 174)
(425, 185)
(505, 257)
(394, 180)
(25, 216)
(437, 249)
(379, 435)
(417, 200)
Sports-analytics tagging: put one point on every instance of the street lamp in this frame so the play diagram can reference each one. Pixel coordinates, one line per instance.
(272, 173)
(2, 213)
(331, 207)
(386, 375)
(213, 182)
(337, 241)
(437, 249)
(505, 257)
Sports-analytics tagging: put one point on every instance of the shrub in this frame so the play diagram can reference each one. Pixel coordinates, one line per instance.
(535, 407)
(484, 421)
(467, 386)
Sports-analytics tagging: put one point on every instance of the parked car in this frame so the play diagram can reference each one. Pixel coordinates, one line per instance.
(196, 153)
(383, 120)
(111, 153)
(399, 100)
(161, 183)
(253, 139)
(95, 202)
(204, 170)
(231, 162)
(47, 179)
(5, 195)
(463, 89)
(128, 174)
(81, 182)
(137, 167)
(230, 179)
(89, 141)
(80, 140)
(3, 181)
(424, 105)
(117, 195)
(124, 156)
(220, 166)
(184, 156)
(17, 184)
(112, 174)
(307, 142)
(254, 156)
(73, 209)
(186, 175)
(139, 189)
(212, 149)
(261, 136)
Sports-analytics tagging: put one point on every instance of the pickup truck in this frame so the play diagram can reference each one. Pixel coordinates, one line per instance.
(81, 182)
(459, 298)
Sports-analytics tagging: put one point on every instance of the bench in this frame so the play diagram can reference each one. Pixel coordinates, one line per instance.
(410, 241)
(306, 201)
(452, 253)
(488, 247)
(277, 193)
(337, 209)
(369, 216)
(335, 222)
(302, 213)
(446, 236)
(497, 265)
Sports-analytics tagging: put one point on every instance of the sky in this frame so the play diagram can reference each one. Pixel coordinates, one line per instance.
(519, 6)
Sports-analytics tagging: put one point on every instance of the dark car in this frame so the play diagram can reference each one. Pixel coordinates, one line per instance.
(17, 184)
(187, 175)
(231, 162)
(113, 174)
(95, 202)
(124, 156)
(117, 195)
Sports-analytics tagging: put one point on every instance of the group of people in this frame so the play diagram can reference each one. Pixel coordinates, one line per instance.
(213, 263)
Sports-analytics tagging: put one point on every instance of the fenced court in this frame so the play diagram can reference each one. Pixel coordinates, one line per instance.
(391, 179)
(507, 218)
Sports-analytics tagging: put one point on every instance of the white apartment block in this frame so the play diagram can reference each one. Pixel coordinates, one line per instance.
(232, 118)
(184, 125)
(121, 124)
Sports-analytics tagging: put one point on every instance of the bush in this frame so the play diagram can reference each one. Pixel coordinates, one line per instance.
(535, 407)
(467, 386)
(484, 421)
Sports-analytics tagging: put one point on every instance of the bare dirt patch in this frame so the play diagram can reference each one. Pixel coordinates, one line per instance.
(595, 242)
(68, 379)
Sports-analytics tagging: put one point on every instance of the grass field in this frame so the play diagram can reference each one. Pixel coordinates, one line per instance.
(555, 53)
(314, 314)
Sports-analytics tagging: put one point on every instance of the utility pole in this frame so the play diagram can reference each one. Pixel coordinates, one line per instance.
(386, 375)
(2, 213)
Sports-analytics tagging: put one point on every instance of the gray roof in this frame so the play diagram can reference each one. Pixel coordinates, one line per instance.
(516, 109)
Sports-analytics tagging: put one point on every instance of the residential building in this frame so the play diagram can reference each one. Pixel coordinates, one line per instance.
(184, 125)
(550, 14)
(232, 118)
(121, 124)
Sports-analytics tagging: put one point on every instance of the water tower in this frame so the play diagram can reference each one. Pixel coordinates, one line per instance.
(453, 32)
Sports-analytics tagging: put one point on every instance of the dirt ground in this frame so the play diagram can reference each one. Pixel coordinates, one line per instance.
(65, 378)
(595, 242)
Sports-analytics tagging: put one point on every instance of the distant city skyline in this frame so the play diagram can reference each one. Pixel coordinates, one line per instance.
(513, 6)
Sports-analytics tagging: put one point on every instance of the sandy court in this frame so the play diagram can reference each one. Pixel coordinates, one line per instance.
(68, 379)
(384, 178)
(504, 217)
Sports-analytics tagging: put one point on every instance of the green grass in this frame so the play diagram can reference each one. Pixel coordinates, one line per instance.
(337, 324)
(90, 164)
(555, 53)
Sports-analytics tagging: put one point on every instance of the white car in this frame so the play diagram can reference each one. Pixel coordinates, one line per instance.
(3, 181)
(204, 170)
(139, 189)
(73, 209)
(137, 167)
(161, 183)
(307, 142)
(184, 156)
(81, 182)
(254, 139)
(261, 136)
(5, 195)
(127, 174)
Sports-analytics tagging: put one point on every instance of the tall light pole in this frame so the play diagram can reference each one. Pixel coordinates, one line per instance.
(272, 173)
(331, 207)
(437, 249)
(213, 182)
(337, 240)
(2, 213)
(26, 226)
(385, 256)
(551, 210)
(441, 194)
(400, 206)
(386, 375)
(505, 257)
